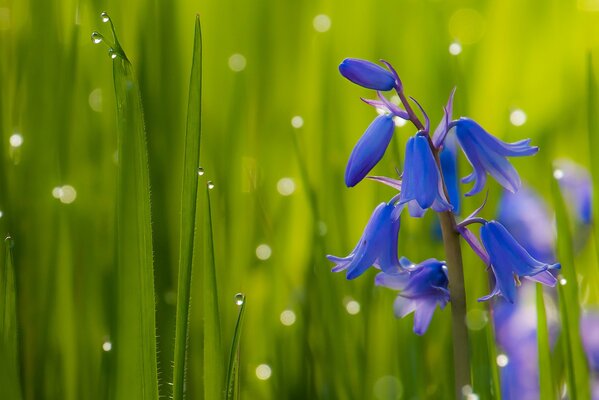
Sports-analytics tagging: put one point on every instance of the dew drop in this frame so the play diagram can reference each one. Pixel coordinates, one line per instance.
(112, 53)
(263, 252)
(563, 281)
(502, 360)
(10, 242)
(105, 16)
(200, 171)
(321, 23)
(297, 122)
(210, 185)
(455, 48)
(107, 346)
(287, 318)
(239, 299)
(1, 214)
(518, 117)
(16, 140)
(97, 37)
(263, 372)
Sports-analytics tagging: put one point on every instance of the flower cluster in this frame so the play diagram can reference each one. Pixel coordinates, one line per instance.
(429, 181)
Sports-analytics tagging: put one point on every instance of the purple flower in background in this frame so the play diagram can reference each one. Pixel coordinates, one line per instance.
(421, 289)
(369, 150)
(509, 259)
(487, 154)
(421, 186)
(575, 184)
(367, 74)
(589, 330)
(525, 215)
(516, 334)
(377, 246)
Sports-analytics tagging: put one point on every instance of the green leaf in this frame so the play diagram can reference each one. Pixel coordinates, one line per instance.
(135, 341)
(577, 373)
(189, 198)
(10, 386)
(546, 382)
(213, 355)
(232, 381)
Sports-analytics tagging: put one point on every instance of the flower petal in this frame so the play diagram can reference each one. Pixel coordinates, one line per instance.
(423, 315)
(403, 306)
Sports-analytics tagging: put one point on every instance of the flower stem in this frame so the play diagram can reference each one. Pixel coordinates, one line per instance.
(455, 269)
(453, 254)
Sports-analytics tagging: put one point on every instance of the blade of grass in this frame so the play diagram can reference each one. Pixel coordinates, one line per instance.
(569, 304)
(189, 198)
(546, 383)
(135, 342)
(10, 383)
(213, 355)
(232, 381)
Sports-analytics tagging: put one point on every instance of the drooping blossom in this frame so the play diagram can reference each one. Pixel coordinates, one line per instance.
(422, 187)
(369, 150)
(509, 259)
(377, 246)
(421, 290)
(487, 154)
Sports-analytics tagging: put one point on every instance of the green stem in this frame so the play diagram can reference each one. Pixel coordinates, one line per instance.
(453, 254)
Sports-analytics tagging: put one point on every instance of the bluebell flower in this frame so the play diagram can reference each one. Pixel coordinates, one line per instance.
(421, 186)
(526, 216)
(421, 290)
(487, 154)
(367, 74)
(509, 259)
(369, 150)
(449, 169)
(377, 246)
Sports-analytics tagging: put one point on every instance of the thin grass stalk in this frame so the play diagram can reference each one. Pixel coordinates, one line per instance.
(189, 198)
(10, 379)
(232, 381)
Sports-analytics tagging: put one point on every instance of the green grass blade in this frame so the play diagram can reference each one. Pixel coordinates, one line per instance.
(233, 368)
(189, 198)
(10, 386)
(213, 355)
(569, 304)
(546, 382)
(135, 342)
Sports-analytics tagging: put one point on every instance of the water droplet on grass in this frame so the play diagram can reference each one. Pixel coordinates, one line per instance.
(210, 185)
(200, 171)
(97, 37)
(112, 53)
(10, 242)
(105, 17)
(239, 299)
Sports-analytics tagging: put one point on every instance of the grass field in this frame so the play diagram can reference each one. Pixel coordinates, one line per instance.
(102, 199)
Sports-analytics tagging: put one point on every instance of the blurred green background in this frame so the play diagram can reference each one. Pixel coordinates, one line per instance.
(279, 123)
